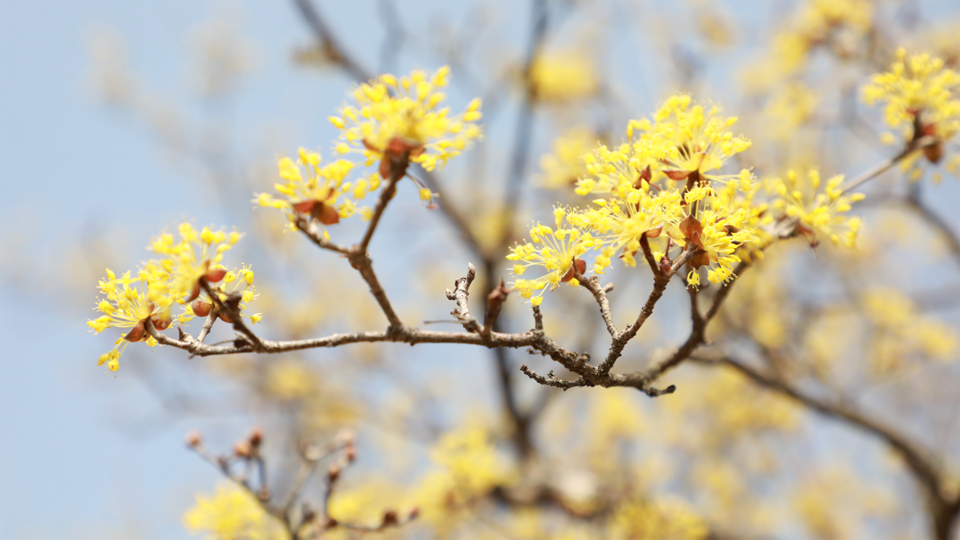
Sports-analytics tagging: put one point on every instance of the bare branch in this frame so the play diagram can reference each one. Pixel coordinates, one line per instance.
(461, 295)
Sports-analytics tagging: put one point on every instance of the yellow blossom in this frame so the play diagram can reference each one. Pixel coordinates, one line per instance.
(697, 140)
(818, 208)
(322, 193)
(196, 255)
(563, 75)
(232, 513)
(552, 250)
(405, 117)
(127, 303)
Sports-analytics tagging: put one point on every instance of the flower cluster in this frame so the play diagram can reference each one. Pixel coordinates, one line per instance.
(920, 97)
(396, 121)
(322, 192)
(563, 76)
(397, 118)
(839, 25)
(817, 210)
(175, 277)
(128, 302)
(663, 192)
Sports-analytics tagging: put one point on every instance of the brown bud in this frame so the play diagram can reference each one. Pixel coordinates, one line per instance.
(350, 454)
(330, 524)
(201, 308)
(241, 449)
(161, 323)
(389, 519)
(677, 175)
(333, 472)
(215, 274)
(193, 439)
(414, 512)
(933, 153)
(264, 494)
(256, 437)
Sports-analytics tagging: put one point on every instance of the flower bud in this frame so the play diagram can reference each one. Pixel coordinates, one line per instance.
(256, 437)
(193, 438)
(333, 472)
(201, 308)
(241, 449)
(389, 519)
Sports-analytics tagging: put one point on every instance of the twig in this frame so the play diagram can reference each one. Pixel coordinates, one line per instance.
(592, 284)
(887, 164)
(461, 295)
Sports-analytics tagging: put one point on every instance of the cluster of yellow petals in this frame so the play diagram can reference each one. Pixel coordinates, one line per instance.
(692, 139)
(917, 85)
(566, 75)
(664, 186)
(819, 208)
(232, 513)
(126, 303)
(406, 114)
(468, 467)
(840, 25)
(554, 251)
(323, 192)
(196, 255)
(638, 518)
(902, 331)
(173, 278)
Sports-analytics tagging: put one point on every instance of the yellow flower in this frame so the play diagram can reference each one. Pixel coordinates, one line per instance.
(398, 118)
(554, 251)
(564, 166)
(637, 518)
(197, 255)
(790, 107)
(917, 86)
(321, 193)
(921, 100)
(128, 303)
(231, 514)
(620, 222)
(563, 75)
(697, 139)
(818, 211)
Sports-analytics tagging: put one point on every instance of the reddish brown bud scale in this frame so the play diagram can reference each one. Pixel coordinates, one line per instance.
(194, 293)
(201, 308)
(333, 472)
(581, 266)
(137, 333)
(161, 323)
(215, 274)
